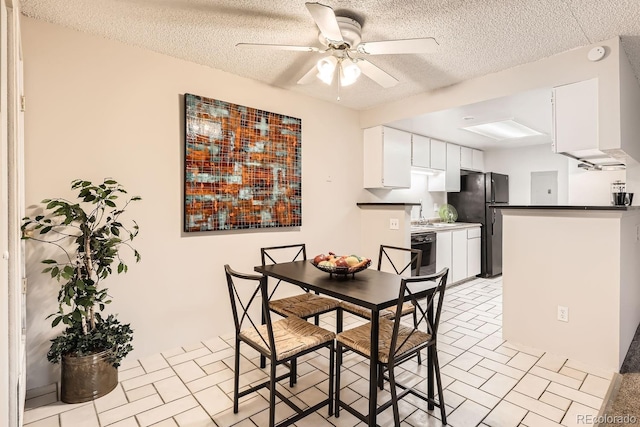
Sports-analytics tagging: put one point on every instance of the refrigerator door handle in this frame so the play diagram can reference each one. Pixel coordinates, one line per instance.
(493, 219)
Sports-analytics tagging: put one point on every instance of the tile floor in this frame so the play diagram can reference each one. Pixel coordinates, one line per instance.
(488, 382)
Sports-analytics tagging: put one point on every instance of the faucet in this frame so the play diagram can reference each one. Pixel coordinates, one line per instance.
(421, 219)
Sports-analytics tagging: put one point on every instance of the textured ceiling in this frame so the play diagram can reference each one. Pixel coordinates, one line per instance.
(476, 37)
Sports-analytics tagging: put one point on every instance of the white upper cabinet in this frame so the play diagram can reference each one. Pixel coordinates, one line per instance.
(420, 151)
(387, 158)
(478, 160)
(466, 158)
(453, 168)
(471, 159)
(438, 154)
(449, 180)
(575, 117)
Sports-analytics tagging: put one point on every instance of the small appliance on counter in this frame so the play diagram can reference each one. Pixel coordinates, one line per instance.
(619, 196)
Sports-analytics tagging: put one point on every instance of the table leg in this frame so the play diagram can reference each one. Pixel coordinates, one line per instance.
(430, 368)
(373, 368)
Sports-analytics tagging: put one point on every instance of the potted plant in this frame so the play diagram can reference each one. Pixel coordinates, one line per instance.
(89, 235)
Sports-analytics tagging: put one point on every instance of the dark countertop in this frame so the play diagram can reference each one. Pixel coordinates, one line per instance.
(567, 207)
(386, 204)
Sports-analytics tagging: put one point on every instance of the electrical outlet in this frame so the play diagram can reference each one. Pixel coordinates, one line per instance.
(563, 313)
(435, 207)
(394, 224)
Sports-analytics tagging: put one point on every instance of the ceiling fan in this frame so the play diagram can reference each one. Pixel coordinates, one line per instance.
(341, 39)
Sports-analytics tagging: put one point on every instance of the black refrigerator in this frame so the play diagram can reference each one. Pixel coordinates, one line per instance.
(478, 192)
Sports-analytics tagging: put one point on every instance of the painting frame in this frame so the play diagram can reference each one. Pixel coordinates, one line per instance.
(242, 167)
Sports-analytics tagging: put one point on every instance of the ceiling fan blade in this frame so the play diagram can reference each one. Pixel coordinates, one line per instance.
(383, 78)
(387, 47)
(280, 47)
(309, 76)
(326, 21)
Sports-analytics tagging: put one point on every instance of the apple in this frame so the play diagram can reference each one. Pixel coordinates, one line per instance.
(319, 258)
(342, 262)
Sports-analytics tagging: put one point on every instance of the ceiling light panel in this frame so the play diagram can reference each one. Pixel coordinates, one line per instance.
(504, 129)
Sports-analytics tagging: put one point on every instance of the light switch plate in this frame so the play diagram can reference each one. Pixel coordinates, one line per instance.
(394, 224)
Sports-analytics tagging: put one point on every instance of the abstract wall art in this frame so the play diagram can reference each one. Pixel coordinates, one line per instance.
(242, 167)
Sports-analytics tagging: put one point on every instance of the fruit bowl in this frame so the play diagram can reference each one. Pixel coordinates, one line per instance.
(342, 270)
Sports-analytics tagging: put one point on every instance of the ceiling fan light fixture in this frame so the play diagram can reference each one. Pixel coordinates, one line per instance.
(349, 73)
(326, 69)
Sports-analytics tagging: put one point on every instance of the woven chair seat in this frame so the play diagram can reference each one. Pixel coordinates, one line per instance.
(359, 339)
(407, 308)
(364, 312)
(292, 335)
(303, 305)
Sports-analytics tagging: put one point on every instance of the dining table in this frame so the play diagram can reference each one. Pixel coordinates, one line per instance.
(372, 289)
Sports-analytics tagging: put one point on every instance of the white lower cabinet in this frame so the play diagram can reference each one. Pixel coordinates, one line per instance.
(459, 250)
(443, 252)
(458, 255)
(473, 252)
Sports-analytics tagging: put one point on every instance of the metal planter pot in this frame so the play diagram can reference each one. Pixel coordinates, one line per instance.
(85, 378)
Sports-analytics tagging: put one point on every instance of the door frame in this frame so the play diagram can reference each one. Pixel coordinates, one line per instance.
(12, 307)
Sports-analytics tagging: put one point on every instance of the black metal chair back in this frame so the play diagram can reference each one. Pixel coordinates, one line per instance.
(293, 338)
(280, 254)
(244, 300)
(389, 256)
(428, 311)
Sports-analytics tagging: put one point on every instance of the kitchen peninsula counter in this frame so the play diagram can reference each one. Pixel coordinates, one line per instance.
(567, 207)
(584, 258)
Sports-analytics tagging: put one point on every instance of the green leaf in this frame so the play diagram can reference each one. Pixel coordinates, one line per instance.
(110, 203)
(49, 261)
(55, 271)
(120, 268)
(110, 182)
(56, 321)
(46, 229)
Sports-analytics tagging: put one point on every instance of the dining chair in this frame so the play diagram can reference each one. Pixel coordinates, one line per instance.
(281, 342)
(398, 343)
(304, 305)
(390, 258)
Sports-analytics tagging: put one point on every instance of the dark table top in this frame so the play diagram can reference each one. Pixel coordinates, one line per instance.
(369, 288)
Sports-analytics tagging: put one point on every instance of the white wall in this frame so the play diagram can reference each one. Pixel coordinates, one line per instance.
(518, 163)
(418, 191)
(98, 108)
(629, 283)
(591, 187)
(567, 258)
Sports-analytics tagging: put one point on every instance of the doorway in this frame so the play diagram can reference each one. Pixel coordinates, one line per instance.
(544, 188)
